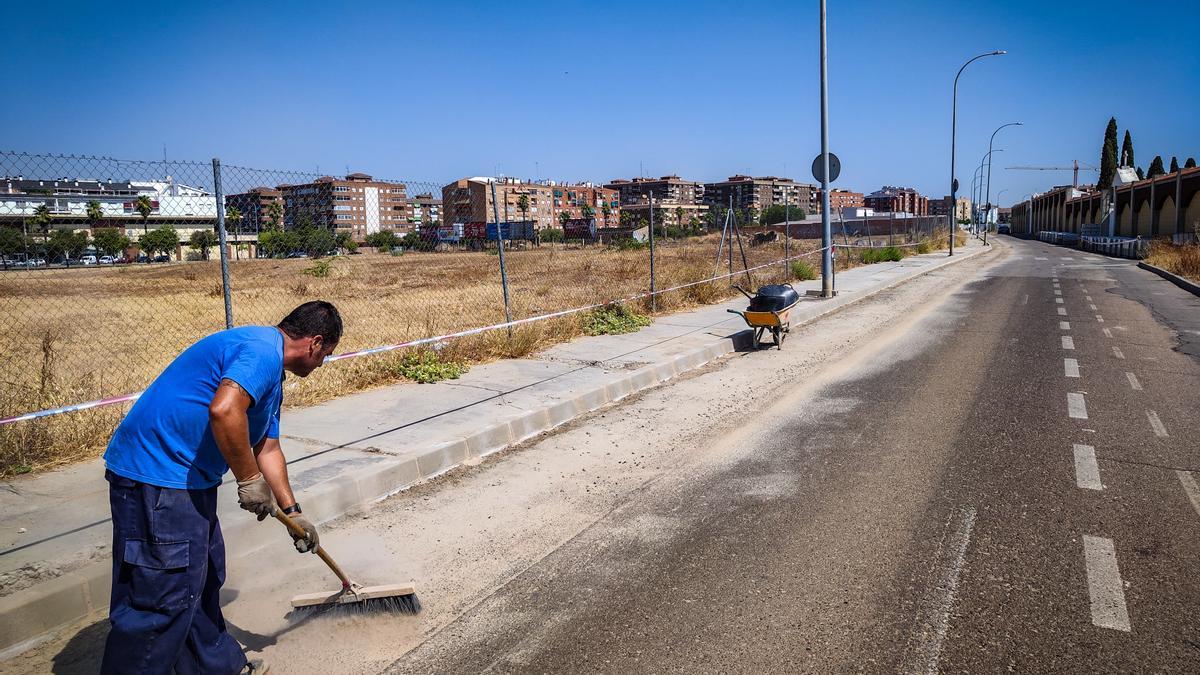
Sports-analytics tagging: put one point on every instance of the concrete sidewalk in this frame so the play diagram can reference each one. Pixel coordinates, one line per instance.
(350, 452)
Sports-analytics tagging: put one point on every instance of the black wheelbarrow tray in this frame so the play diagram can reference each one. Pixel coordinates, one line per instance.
(769, 311)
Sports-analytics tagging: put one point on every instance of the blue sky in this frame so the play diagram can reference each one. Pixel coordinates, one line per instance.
(574, 91)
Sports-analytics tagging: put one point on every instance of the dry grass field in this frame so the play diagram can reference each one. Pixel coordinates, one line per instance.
(1181, 260)
(75, 335)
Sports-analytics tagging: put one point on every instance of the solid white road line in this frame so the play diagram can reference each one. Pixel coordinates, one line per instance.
(1064, 325)
(1068, 342)
(1190, 487)
(1107, 333)
(1070, 368)
(1118, 353)
(1062, 311)
(934, 615)
(1087, 471)
(1156, 424)
(1133, 381)
(1076, 407)
(1105, 589)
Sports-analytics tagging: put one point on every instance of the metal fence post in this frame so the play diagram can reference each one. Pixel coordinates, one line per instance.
(500, 245)
(222, 240)
(653, 297)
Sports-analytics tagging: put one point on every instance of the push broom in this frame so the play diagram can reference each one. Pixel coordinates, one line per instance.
(386, 598)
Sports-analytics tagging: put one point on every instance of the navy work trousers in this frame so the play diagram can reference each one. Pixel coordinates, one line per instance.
(168, 567)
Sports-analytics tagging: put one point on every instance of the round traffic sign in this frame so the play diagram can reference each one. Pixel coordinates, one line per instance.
(835, 168)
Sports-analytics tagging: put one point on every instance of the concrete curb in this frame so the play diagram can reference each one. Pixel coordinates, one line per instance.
(1189, 286)
(28, 615)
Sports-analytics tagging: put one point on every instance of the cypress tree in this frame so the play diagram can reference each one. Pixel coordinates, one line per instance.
(1190, 163)
(1156, 167)
(1141, 174)
(1108, 156)
(1127, 150)
(1174, 164)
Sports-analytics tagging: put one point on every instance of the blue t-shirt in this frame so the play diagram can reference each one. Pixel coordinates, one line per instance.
(165, 440)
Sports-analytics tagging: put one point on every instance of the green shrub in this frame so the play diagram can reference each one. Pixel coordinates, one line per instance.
(884, 254)
(614, 319)
(924, 246)
(803, 270)
(426, 366)
(551, 235)
(628, 244)
(320, 268)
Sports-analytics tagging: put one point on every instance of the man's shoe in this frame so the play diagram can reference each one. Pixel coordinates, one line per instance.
(256, 667)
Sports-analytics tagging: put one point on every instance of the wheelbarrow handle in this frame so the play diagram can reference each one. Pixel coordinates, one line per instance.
(744, 292)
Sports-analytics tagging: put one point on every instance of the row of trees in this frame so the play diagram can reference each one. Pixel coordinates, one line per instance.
(1110, 162)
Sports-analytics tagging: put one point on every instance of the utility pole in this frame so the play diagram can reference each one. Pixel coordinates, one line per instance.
(826, 235)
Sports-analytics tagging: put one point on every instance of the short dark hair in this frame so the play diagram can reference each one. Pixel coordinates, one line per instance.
(316, 317)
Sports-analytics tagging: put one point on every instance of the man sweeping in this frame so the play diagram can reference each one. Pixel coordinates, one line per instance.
(214, 408)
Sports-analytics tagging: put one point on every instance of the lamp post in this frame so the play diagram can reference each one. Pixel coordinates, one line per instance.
(974, 194)
(988, 198)
(987, 158)
(953, 132)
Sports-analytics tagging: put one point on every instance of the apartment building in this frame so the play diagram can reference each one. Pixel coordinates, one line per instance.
(838, 199)
(255, 209)
(758, 192)
(678, 201)
(357, 204)
(941, 207)
(469, 200)
(424, 209)
(892, 199)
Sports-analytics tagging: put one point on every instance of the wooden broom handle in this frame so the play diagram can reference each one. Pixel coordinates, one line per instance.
(299, 532)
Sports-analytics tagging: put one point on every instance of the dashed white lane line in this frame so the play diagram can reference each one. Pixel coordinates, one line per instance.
(1099, 319)
(1068, 342)
(1105, 589)
(1092, 307)
(1107, 333)
(1156, 424)
(1087, 471)
(1064, 325)
(1117, 352)
(1057, 292)
(1058, 300)
(1190, 487)
(1070, 368)
(1062, 311)
(1037, 258)
(1087, 297)
(1025, 299)
(1076, 406)
(1133, 382)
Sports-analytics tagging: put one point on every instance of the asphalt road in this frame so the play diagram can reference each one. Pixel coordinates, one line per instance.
(952, 498)
(909, 485)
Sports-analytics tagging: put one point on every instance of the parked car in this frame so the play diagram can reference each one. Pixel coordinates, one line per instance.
(107, 260)
(1003, 229)
(162, 258)
(88, 260)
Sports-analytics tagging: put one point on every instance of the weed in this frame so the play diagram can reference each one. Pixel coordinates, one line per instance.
(884, 254)
(320, 268)
(1182, 260)
(924, 246)
(628, 244)
(426, 366)
(802, 270)
(614, 319)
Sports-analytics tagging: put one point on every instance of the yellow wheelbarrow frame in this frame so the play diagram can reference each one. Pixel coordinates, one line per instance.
(778, 323)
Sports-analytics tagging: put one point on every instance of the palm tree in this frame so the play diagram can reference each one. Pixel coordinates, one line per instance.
(95, 212)
(523, 204)
(606, 210)
(233, 215)
(274, 215)
(144, 207)
(42, 219)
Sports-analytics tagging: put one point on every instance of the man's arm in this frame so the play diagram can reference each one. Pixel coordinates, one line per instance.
(231, 428)
(273, 465)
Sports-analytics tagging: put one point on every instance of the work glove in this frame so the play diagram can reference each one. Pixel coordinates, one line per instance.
(255, 496)
(308, 543)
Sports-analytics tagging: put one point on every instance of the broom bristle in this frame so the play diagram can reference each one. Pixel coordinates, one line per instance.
(397, 604)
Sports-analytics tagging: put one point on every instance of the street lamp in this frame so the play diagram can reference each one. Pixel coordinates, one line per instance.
(953, 131)
(985, 160)
(988, 198)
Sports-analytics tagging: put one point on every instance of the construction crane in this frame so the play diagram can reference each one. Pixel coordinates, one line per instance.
(1076, 166)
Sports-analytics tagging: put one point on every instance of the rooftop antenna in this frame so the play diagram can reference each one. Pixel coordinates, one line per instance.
(164, 152)
(641, 170)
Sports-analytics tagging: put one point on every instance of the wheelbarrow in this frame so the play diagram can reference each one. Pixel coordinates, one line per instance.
(769, 311)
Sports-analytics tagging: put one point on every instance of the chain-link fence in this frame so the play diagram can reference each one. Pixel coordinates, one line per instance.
(112, 267)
